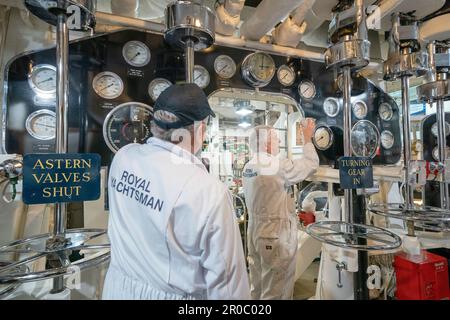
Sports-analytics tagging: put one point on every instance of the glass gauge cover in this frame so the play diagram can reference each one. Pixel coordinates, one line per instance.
(436, 153)
(201, 76)
(385, 112)
(323, 138)
(136, 53)
(286, 75)
(42, 79)
(360, 109)
(307, 90)
(225, 67)
(365, 139)
(127, 123)
(42, 124)
(387, 139)
(258, 69)
(434, 129)
(158, 86)
(331, 107)
(108, 85)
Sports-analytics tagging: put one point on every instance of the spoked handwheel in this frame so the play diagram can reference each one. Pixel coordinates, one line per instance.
(20, 258)
(354, 236)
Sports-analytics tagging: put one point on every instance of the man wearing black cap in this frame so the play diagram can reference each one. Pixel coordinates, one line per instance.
(171, 227)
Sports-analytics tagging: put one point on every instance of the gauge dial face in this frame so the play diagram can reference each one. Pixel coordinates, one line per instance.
(385, 112)
(365, 139)
(158, 86)
(286, 75)
(307, 90)
(225, 66)
(360, 109)
(331, 107)
(323, 138)
(136, 54)
(127, 123)
(108, 85)
(201, 76)
(436, 153)
(42, 79)
(340, 82)
(258, 69)
(387, 139)
(434, 129)
(41, 124)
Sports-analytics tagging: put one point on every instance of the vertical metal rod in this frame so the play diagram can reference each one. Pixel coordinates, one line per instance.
(348, 194)
(62, 80)
(190, 61)
(442, 143)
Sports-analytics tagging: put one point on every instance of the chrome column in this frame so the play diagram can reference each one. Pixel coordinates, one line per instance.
(348, 194)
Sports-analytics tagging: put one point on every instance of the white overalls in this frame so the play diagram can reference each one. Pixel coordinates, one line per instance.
(272, 229)
(172, 228)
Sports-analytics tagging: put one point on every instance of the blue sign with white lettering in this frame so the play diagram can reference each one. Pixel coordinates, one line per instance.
(355, 173)
(52, 178)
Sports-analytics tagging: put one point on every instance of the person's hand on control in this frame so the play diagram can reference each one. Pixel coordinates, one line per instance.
(308, 127)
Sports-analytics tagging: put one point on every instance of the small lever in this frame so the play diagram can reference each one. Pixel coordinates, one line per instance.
(339, 267)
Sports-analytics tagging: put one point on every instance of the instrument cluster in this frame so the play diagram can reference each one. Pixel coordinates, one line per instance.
(116, 78)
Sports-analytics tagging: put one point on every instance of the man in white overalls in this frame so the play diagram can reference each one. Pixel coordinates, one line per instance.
(272, 229)
(172, 227)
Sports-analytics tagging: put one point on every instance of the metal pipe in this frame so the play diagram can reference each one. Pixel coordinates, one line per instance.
(189, 61)
(409, 192)
(348, 194)
(62, 98)
(442, 143)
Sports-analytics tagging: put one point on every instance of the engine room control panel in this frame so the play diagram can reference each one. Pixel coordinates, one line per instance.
(116, 78)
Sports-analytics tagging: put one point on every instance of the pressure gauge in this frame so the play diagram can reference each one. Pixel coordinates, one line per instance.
(307, 90)
(360, 109)
(323, 138)
(385, 111)
(258, 69)
(201, 76)
(42, 79)
(331, 107)
(108, 85)
(41, 124)
(387, 139)
(434, 129)
(286, 75)
(136, 54)
(225, 66)
(158, 86)
(436, 153)
(127, 123)
(365, 139)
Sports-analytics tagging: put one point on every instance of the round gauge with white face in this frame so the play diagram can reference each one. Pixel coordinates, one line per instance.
(365, 139)
(108, 85)
(340, 82)
(307, 90)
(331, 107)
(201, 76)
(158, 86)
(385, 112)
(127, 123)
(360, 109)
(225, 66)
(434, 129)
(436, 153)
(286, 75)
(136, 53)
(387, 139)
(41, 124)
(323, 138)
(42, 79)
(258, 69)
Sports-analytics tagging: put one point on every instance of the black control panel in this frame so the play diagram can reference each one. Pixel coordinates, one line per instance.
(131, 66)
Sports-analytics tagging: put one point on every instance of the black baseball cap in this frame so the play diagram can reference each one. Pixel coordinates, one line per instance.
(187, 101)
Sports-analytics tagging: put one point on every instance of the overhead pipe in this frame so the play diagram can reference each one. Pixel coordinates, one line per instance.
(229, 16)
(266, 16)
(385, 8)
(115, 20)
(435, 29)
(291, 31)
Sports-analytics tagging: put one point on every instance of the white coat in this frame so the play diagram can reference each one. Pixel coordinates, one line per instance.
(172, 228)
(272, 230)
